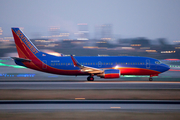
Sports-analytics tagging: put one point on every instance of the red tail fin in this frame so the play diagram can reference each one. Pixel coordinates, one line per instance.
(26, 49)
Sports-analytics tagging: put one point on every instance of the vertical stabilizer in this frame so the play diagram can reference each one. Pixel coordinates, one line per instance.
(26, 49)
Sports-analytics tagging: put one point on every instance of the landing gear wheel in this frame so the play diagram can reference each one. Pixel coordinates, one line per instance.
(90, 78)
(150, 79)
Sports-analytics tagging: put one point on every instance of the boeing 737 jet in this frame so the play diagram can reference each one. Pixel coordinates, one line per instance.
(104, 67)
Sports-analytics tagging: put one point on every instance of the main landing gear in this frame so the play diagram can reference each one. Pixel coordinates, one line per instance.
(90, 78)
(150, 79)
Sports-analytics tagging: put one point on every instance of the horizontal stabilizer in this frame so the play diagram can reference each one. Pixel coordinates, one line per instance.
(21, 59)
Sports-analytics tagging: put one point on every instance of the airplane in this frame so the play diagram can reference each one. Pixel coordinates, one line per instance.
(107, 67)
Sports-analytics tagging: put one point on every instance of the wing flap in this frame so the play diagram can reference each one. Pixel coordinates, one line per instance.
(86, 68)
(90, 69)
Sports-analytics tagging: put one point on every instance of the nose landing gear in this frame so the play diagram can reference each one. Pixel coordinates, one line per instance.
(150, 79)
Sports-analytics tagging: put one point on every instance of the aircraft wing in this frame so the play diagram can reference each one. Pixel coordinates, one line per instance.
(86, 68)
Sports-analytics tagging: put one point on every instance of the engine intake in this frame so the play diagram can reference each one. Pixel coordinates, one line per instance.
(110, 73)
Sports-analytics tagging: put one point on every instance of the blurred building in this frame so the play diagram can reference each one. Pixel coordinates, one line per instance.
(1, 31)
(83, 33)
(103, 32)
(106, 32)
(97, 32)
(54, 32)
(57, 34)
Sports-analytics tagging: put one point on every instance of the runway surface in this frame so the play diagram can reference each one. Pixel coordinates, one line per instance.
(122, 105)
(90, 85)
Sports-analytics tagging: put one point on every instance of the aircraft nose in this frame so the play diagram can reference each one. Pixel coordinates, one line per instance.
(166, 67)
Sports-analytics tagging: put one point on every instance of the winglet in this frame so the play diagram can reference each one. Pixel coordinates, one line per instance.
(75, 62)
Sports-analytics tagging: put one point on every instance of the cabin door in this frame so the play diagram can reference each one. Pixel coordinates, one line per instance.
(44, 65)
(99, 64)
(147, 63)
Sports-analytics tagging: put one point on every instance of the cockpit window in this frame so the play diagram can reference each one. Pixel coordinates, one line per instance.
(157, 62)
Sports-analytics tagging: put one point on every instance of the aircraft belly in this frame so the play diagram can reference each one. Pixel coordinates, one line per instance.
(137, 71)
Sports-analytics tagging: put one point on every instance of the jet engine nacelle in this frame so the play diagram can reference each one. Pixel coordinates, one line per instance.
(110, 73)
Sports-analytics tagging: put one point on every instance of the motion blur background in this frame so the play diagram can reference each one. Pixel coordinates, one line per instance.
(148, 28)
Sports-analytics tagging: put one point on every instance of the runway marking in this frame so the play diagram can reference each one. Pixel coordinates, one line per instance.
(115, 107)
(79, 98)
(133, 82)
